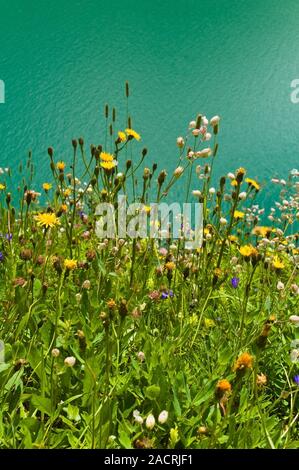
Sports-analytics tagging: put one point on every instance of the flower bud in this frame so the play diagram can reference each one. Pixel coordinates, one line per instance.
(150, 421)
(163, 417)
(70, 361)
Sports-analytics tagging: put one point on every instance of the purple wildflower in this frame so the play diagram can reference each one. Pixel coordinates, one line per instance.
(8, 236)
(1, 257)
(296, 379)
(235, 282)
(166, 294)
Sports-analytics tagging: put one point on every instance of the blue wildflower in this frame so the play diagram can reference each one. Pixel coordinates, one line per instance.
(296, 379)
(166, 294)
(235, 282)
(8, 236)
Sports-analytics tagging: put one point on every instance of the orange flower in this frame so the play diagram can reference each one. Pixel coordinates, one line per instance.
(223, 386)
(243, 362)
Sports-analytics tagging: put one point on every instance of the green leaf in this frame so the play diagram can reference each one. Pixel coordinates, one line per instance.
(43, 404)
(152, 392)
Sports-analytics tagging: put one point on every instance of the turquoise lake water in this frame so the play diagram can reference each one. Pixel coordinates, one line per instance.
(61, 61)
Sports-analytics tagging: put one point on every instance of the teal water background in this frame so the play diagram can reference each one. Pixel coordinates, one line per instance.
(63, 60)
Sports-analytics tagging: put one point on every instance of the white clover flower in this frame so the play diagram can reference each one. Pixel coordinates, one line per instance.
(163, 417)
(150, 421)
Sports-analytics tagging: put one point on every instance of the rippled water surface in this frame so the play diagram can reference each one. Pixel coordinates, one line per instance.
(62, 60)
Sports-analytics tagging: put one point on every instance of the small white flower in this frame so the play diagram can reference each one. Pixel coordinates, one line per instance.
(294, 355)
(196, 193)
(180, 142)
(141, 356)
(150, 421)
(231, 176)
(55, 352)
(212, 190)
(196, 132)
(192, 124)
(163, 417)
(207, 136)
(215, 120)
(280, 285)
(243, 195)
(204, 121)
(294, 319)
(70, 361)
(223, 221)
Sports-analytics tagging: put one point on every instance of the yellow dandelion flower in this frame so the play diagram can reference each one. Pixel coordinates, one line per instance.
(233, 238)
(244, 361)
(106, 157)
(47, 219)
(170, 266)
(253, 183)
(111, 304)
(240, 171)
(47, 186)
(67, 192)
(277, 263)
(247, 251)
(122, 136)
(132, 133)
(239, 215)
(108, 165)
(2, 187)
(261, 231)
(70, 264)
(234, 182)
(60, 166)
(147, 209)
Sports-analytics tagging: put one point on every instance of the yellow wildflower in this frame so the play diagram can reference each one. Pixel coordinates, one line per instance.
(60, 166)
(111, 304)
(243, 362)
(233, 238)
(2, 187)
(261, 231)
(63, 207)
(109, 165)
(122, 136)
(234, 182)
(47, 186)
(47, 219)
(223, 386)
(67, 192)
(247, 251)
(106, 157)
(70, 264)
(253, 183)
(132, 133)
(277, 263)
(239, 215)
(170, 266)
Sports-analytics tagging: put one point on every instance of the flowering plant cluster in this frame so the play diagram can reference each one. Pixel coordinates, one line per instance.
(139, 342)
